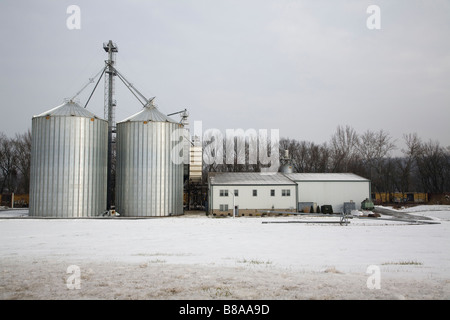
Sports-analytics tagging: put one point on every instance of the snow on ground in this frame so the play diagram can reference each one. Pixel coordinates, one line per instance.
(11, 213)
(435, 212)
(199, 257)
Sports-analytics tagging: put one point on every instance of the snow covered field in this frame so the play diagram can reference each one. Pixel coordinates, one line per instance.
(199, 257)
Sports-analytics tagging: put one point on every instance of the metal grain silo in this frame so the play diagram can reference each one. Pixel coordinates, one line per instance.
(68, 163)
(149, 181)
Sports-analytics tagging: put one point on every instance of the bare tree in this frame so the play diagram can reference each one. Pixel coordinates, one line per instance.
(241, 150)
(405, 166)
(300, 156)
(447, 170)
(306, 156)
(374, 148)
(343, 149)
(22, 160)
(8, 172)
(212, 151)
(433, 167)
(319, 155)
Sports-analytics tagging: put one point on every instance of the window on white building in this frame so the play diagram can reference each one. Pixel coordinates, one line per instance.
(285, 192)
(223, 207)
(272, 192)
(255, 192)
(224, 193)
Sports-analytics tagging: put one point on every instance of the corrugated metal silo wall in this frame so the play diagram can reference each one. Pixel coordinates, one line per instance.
(148, 182)
(68, 167)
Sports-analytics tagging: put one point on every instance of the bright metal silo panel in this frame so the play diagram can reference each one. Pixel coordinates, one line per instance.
(148, 181)
(68, 163)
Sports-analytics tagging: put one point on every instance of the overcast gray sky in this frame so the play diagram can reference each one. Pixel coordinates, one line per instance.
(303, 67)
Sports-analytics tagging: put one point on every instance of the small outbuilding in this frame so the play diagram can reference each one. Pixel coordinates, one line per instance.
(333, 189)
(253, 192)
(250, 193)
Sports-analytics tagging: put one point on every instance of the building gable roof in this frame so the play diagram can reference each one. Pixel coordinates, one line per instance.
(324, 177)
(249, 178)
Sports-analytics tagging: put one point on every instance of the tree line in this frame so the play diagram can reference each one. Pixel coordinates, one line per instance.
(421, 166)
(15, 162)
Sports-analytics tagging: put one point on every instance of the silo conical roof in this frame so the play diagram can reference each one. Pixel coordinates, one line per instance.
(150, 113)
(68, 109)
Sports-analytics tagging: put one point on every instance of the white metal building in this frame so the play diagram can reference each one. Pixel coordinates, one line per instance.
(249, 192)
(331, 188)
(255, 192)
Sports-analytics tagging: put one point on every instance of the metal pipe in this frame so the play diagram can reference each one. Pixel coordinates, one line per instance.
(89, 99)
(91, 80)
(129, 85)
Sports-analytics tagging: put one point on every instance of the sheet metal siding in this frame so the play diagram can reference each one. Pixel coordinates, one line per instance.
(249, 178)
(148, 182)
(334, 193)
(246, 200)
(68, 166)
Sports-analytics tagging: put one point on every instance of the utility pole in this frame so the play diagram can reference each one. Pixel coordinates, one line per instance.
(109, 112)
